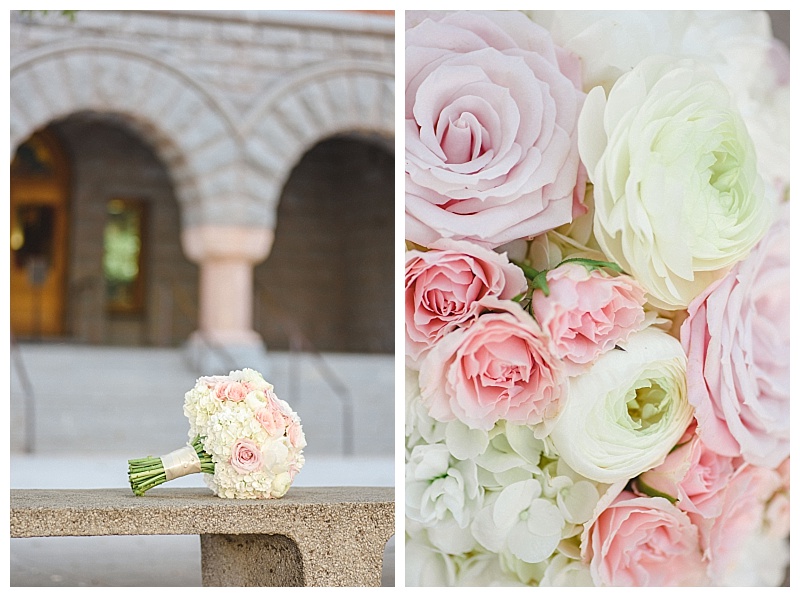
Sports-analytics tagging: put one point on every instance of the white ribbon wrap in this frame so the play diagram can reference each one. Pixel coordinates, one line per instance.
(183, 461)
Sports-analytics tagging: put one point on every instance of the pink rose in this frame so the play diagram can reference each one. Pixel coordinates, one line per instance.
(692, 474)
(246, 456)
(777, 513)
(211, 381)
(737, 341)
(742, 518)
(295, 434)
(642, 542)
(444, 285)
(271, 419)
(491, 129)
(235, 391)
(500, 367)
(588, 312)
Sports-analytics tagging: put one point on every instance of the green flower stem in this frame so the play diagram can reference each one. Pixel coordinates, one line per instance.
(647, 490)
(146, 473)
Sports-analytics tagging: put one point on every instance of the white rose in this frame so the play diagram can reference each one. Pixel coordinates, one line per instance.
(678, 199)
(627, 411)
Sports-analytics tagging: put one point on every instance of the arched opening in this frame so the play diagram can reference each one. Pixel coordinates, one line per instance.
(330, 274)
(124, 278)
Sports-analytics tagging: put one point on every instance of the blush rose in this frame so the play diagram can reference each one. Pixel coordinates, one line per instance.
(741, 520)
(692, 474)
(500, 367)
(443, 285)
(234, 391)
(491, 129)
(588, 312)
(737, 341)
(642, 542)
(246, 456)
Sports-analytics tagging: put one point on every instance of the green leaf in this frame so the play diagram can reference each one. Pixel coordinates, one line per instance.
(593, 264)
(529, 272)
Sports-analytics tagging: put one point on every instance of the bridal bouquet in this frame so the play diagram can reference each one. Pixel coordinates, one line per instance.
(247, 440)
(596, 299)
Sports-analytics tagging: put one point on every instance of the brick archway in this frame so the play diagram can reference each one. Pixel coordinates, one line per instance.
(190, 129)
(316, 103)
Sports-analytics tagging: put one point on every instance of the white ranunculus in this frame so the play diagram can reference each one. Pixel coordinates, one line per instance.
(627, 411)
(678, 199)
(737, 44)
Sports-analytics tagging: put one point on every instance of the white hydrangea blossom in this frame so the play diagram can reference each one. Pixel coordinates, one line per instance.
(421, 428)
(200, 403)
(426, 565)
(535, 505)
(443, 494)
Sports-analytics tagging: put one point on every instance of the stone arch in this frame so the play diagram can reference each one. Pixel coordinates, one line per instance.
(316, 103)
(190, 129)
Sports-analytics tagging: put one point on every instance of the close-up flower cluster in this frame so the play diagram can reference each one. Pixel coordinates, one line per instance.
(596, 299)
(253, 437)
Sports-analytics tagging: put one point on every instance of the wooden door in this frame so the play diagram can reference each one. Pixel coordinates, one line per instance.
(39, 193)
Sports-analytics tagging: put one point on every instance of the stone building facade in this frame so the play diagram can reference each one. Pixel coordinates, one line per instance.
(252, 151)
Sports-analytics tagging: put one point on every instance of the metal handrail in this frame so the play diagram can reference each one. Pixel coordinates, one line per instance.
(28, 397)
(299, 342)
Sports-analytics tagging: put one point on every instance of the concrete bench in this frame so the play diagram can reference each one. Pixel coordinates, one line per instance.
(313, 536)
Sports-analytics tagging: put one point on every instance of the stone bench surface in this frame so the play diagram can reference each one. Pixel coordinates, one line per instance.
(192, 511)
(312, 536)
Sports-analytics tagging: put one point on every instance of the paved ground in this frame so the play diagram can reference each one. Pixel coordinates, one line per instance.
(93, 408)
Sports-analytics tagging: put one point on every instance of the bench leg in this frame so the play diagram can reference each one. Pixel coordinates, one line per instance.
(322, 560)
(250, 561)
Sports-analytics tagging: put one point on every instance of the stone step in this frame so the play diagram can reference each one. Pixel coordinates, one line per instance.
(130, 400)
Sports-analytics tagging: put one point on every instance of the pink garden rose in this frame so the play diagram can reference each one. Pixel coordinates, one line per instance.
(777, 513)
(443, 286)
(491, 129)
(294, 431)
(693, 475)
(246, 456)
(737, 341)
(235, 391)
(642, 542)
(271, 419)
(588, 312)
(500, 367)
(742, 519)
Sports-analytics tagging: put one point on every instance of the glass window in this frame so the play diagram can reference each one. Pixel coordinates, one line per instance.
(122, 255)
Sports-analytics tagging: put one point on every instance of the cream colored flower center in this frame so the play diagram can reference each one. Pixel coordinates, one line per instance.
(646, 404)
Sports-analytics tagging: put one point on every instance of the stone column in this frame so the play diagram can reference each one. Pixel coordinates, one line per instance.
(226, 256)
